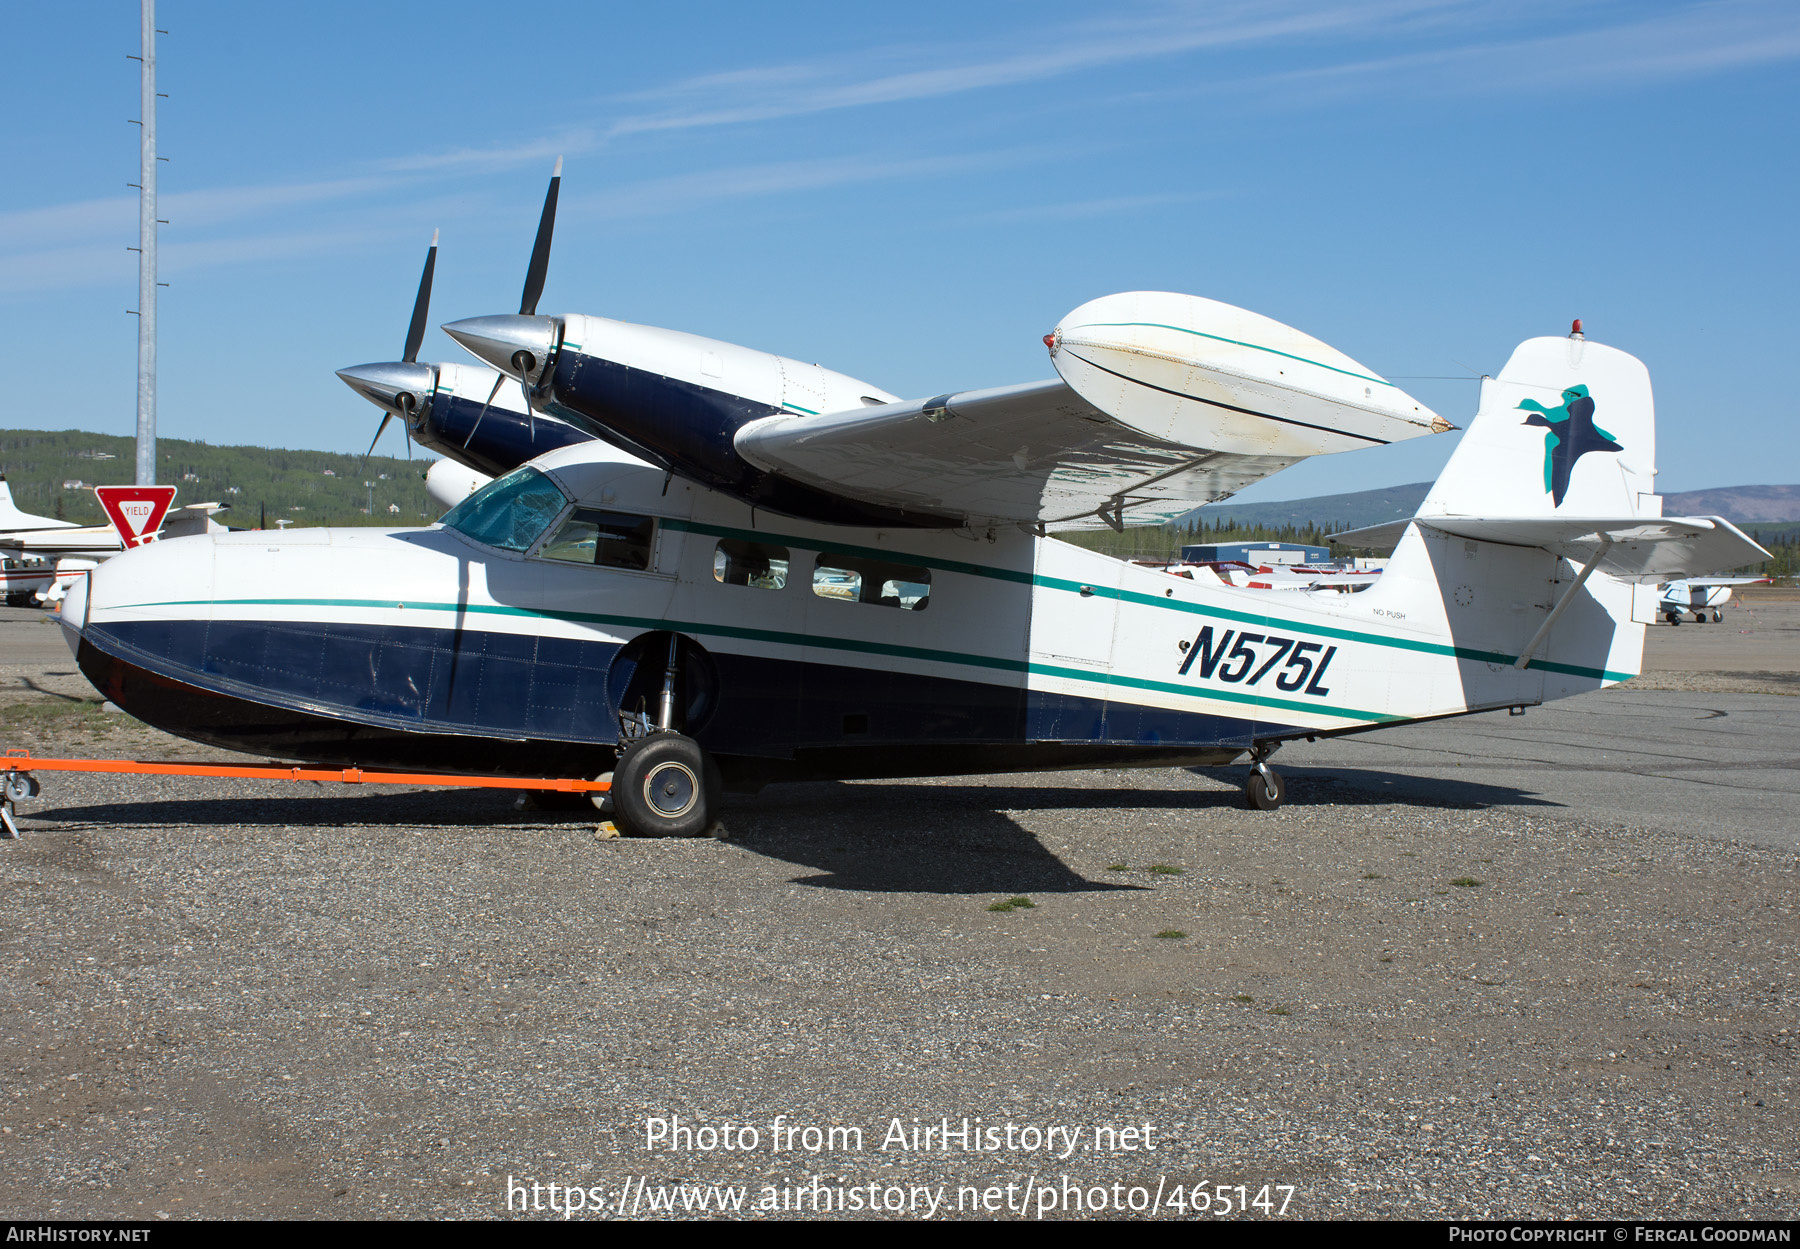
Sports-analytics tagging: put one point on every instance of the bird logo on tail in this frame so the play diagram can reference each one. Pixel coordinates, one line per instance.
(1571, 435)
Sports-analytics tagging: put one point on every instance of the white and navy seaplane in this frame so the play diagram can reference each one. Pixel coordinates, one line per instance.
(759, 570)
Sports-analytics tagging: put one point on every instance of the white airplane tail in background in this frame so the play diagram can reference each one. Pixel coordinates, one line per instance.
(13, 520)
(1539, 547)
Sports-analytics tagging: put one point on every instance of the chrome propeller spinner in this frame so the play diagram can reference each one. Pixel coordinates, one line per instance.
(404, 387)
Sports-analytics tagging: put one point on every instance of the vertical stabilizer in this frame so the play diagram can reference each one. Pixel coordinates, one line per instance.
(1567, 429)
(12, 520)
(1566, 432)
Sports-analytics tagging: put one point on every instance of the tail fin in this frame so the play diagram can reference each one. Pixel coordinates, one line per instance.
(1567, 429)
(1563, 444)
(11, 518)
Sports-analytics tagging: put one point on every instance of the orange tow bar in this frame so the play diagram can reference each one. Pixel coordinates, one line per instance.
(20, 781)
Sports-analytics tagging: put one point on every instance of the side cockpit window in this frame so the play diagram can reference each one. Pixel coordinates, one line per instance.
(603, 539)
(754, 564)
(510, 513)
(854, 579)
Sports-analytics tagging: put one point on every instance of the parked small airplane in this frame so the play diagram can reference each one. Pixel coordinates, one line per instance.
(761, 570)
(1700, 596)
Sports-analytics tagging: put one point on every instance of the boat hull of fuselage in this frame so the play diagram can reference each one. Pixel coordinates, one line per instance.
(552, 714)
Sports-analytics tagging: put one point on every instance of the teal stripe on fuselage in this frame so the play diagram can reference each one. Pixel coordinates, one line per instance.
(1145, 600)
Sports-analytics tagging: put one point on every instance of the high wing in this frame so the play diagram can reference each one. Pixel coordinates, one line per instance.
(1163, 402)
(1037, 452)
(1648, 550)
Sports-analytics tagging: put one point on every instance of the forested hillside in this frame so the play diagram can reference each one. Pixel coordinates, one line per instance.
(305, 487)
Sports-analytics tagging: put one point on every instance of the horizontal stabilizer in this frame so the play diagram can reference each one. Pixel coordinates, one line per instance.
(1646, 549)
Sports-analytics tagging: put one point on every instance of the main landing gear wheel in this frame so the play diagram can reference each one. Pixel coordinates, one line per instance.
(1673, 617)
(1699, 617)
(1718, 616)
(665, 786)
(1265, 790)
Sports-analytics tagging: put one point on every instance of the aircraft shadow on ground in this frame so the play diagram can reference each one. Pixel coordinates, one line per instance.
(882, 838)
(1370, 785)
(953, 839)
(448, 808)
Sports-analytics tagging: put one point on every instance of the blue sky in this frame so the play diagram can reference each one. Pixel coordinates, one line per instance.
(914, 194)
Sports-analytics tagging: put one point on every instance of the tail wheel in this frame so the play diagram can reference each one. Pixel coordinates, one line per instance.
(665, 786)
(1265, 790)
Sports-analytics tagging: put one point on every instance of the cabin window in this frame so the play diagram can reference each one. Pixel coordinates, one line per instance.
(603, 539)
(751, 563)
(510, 513)
(855, 579)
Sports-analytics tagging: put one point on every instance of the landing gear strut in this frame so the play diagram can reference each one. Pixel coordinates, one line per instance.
(664, 784)
(1264, 790)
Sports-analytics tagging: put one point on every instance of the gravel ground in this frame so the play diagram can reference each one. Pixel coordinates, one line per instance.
(247, 999)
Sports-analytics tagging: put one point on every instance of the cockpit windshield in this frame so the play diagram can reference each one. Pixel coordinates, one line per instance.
(510, 513)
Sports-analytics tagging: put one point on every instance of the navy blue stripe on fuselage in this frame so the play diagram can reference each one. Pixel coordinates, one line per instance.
(514, 687)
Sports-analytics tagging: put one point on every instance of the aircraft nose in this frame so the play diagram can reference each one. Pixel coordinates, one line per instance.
(516, 345)
(73, 612)
(384, 384)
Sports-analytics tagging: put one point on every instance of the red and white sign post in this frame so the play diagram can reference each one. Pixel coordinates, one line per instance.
(136, 511)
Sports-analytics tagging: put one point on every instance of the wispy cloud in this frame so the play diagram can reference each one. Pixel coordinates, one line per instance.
(116, 216)
(1699, 40)
(873, 77)
(1427, 46)
(788, 177)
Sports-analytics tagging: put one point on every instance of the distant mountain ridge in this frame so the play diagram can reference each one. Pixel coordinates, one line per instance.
(1738, 504)
(1742, 505)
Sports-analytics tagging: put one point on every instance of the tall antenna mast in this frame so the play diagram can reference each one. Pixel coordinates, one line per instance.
(146, 404)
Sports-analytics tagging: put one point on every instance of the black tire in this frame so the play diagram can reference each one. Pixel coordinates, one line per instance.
(1699, 617)
(1265, 790)
(1673, 617)
(665, 786)
(1717, 616)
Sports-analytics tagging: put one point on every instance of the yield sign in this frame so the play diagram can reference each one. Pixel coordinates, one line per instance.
(136, 511)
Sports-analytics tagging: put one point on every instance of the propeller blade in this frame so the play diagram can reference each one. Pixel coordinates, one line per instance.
(415, 333)
(484, 407)
(540, 250)
(379, 431)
